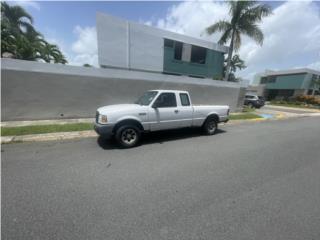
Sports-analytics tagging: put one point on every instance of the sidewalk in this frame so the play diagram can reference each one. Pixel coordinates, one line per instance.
(45, 122)
(282, 108)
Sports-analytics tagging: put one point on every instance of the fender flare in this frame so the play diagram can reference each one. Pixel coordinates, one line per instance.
(128, 121)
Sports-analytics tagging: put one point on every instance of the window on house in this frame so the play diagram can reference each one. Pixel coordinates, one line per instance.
(269, 79)
(168, 43)
(198, 54)
(264, 80)
(310, 91)
(178, 50)
(272, 79)
(314, 77)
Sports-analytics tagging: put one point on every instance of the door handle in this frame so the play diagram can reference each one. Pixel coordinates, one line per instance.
(176, 111)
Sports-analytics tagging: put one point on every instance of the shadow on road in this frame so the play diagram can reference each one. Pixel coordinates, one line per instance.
(157, 137)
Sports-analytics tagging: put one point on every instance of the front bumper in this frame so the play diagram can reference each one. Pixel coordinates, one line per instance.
(105, 131)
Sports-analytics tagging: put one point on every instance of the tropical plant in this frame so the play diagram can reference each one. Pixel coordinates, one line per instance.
(16, 18)
(20, 40)
(236, 63)
(245, 16)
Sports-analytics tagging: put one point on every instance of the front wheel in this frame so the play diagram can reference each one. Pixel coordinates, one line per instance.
(128, 136)
(210, 127)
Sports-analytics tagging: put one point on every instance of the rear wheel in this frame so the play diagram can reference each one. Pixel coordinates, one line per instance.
(128, 136)
(210, 126)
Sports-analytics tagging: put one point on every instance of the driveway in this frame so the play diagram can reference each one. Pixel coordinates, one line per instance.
(250, 181)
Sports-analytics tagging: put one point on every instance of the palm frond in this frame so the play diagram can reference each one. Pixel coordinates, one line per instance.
(254, 32)
(256, 13)
(225, 37)
(220, 26)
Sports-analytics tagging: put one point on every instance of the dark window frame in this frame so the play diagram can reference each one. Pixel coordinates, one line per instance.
(168, 43)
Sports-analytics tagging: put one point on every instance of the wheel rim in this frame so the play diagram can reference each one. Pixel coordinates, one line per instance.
(211, 126)
(129, 136)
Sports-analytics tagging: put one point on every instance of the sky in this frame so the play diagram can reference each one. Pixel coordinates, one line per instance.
(292, 32)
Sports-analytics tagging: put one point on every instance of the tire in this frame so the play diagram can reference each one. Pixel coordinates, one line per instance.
(210, 126)
(250, 105)
(128, 136)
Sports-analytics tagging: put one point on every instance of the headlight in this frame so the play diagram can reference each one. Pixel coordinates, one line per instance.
(103, 119)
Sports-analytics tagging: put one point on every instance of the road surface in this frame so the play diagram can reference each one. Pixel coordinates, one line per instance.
(250, 181)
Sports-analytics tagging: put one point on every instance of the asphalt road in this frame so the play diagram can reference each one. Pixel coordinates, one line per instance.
(250, 181)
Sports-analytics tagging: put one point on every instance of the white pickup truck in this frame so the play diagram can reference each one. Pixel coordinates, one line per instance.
(156, 110)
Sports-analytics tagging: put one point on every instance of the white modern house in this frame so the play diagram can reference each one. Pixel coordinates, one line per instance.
(133, 46)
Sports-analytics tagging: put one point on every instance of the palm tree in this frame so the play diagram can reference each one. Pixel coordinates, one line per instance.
(20, 40)
(49, 52)
(16, 18)
(24, 49)
(236, 63)
(245, 16)
(58, 57)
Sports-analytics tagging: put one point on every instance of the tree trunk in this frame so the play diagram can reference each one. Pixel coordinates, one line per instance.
(226, 77)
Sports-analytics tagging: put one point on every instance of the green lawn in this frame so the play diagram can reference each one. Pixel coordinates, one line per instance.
(16, 131)
(244, 116)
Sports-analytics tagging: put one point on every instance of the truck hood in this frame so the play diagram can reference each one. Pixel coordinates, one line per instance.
(119, 108)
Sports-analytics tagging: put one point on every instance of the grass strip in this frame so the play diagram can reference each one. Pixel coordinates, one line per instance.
(38, 129)
(244, 116)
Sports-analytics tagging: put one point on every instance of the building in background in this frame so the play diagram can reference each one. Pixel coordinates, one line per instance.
(286, 84)
(132, 46)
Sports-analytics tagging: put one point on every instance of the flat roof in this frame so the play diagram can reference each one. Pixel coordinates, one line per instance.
(289, 72)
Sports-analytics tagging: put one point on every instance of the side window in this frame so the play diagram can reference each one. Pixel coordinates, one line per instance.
(184, 99)
(166, 100)
(178, 50)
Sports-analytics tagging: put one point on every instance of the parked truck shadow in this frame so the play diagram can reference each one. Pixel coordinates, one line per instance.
(158, 137)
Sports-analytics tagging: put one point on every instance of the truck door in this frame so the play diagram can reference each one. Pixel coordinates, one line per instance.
(185, 110)
(164, 113)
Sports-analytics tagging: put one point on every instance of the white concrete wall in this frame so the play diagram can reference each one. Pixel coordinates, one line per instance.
(33, 90)
(129, 45)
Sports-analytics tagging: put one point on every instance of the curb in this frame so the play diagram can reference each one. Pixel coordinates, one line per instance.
(91, 133)
(48, 137)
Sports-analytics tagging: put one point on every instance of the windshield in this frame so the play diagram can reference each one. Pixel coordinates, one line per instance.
(146, 98)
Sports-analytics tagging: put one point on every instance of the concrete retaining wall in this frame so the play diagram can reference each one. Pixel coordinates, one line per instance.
(32, 90)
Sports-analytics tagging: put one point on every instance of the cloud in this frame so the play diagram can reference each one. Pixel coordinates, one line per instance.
(27, 3)
(292, 33)
(84, 49)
